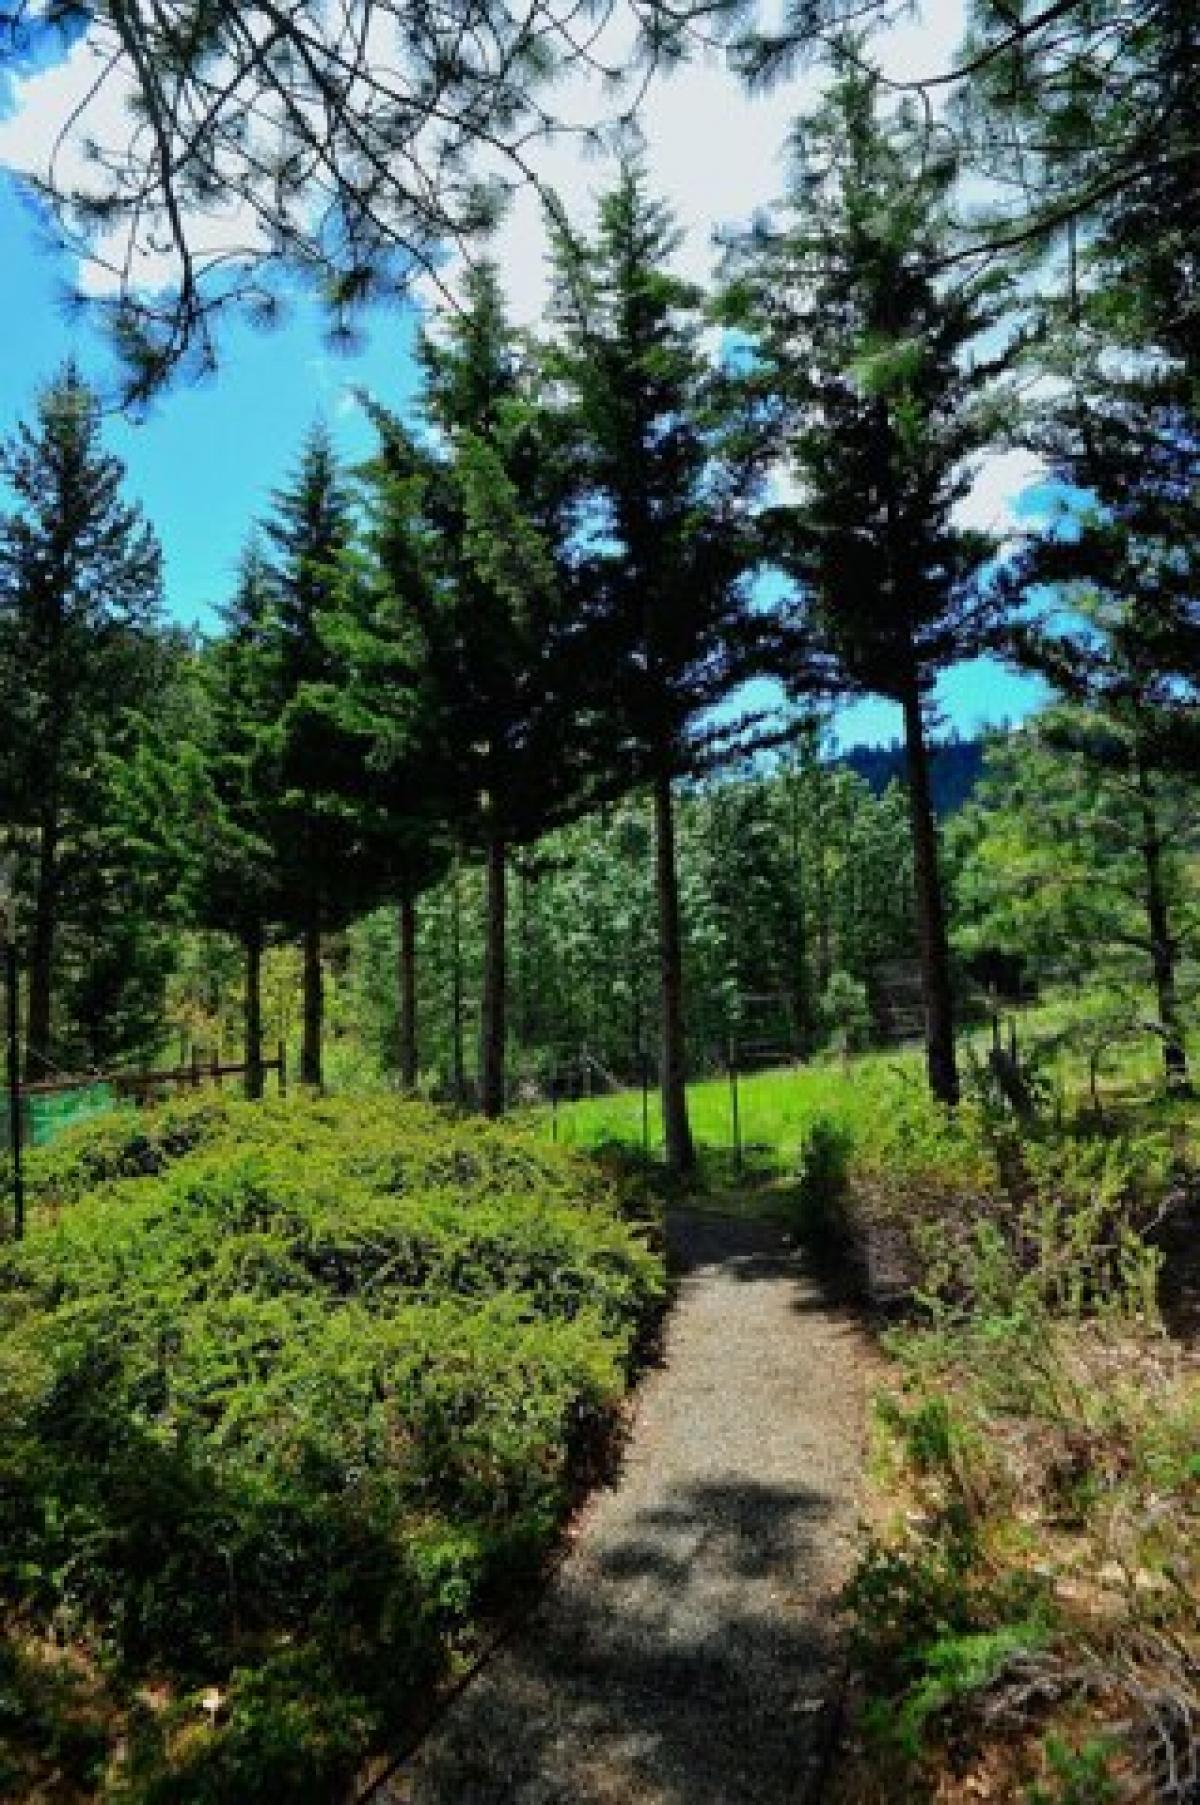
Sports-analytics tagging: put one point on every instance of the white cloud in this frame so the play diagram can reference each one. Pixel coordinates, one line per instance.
(1003, 477)
(713, 152)
(58, 117)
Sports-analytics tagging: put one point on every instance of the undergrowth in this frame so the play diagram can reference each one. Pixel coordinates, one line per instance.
(293, 1399)
(1025, 1610)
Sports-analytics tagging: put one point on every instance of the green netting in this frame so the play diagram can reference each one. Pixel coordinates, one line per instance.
(45, 1117)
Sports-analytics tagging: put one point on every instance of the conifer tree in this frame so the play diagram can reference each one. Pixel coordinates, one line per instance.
(238, 883)
(352, 144)
(199, 795)
(1116, 732)
(310, 531)
(80, 593)
(671, 630)
(1077, 856)
(1120, 435)
(388, 700)
(500, 633)
(874, 371)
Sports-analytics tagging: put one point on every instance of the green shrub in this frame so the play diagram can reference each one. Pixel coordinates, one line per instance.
(822, 1176)
(1079, 1776)
(292, 1397)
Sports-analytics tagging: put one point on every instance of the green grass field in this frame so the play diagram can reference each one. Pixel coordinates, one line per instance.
(878, 1104)
(775, 1108)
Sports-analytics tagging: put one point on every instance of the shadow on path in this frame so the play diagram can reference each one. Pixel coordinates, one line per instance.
(685, 1653)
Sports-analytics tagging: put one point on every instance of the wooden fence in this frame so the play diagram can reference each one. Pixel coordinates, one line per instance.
(135, 1084)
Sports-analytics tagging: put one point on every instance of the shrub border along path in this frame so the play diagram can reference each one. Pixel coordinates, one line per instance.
(687, 1652)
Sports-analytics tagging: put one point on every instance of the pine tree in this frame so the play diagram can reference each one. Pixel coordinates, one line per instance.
(199, 794)
(1112, 733)
(872, 368)
(310, 532)
(1120, 436)
(498, 623)
(1077, 859)
(80, 593)
(389, 697)
(357, 142)
(671, 629)
(1098, 106)
(237, 883)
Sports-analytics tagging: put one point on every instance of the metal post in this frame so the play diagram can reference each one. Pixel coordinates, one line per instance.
(554, 1107)
(735, 1111)
(645, 1107)
(283, 1068)
(14, 1083)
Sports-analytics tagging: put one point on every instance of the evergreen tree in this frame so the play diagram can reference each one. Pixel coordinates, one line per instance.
(1120, 435)
(391, 695)
(1098, 106)
(320, 826)
(357, 142)
(500, 632)
(1077, 858)
(872, 368)
(80, 593)
(199, 796)
(1114, 732)
(671, 629)
(236, 873)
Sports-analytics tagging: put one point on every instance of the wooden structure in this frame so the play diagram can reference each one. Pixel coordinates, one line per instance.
(139, 1084)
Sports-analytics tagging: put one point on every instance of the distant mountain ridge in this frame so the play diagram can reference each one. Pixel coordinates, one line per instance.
(957, 765)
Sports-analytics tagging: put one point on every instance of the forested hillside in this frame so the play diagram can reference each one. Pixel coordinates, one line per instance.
(957, 766)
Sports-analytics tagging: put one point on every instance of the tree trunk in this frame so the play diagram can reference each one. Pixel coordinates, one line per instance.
(491, 1085)
(252, 947)
(801, 989)
(525, 1008)
(408, 994)
(459, 1070)
(931, 913)
(681, 1154)
(1163, 952)
(314, 1005)
(637, 1030)
(41, 953)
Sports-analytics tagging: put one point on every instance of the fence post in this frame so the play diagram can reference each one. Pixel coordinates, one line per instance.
(554, 1107)
(645, 1062)
(14, 1086)
(195, 1068)
(283, 1068)
(734, 1106)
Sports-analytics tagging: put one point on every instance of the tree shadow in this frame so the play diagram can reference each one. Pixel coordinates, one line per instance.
(675, 1665)
(686, 1652)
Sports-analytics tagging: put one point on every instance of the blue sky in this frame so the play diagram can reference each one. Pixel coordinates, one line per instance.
(204, 463)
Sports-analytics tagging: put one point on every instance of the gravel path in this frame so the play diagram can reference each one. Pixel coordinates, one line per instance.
(685, 1653)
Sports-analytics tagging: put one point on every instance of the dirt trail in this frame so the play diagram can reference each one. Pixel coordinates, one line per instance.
(686, 1652)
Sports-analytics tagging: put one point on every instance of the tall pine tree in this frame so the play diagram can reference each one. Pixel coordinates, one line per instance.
(500, 628)
(80, 594)
(310, 532)
(873, 366)
(667, 610)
